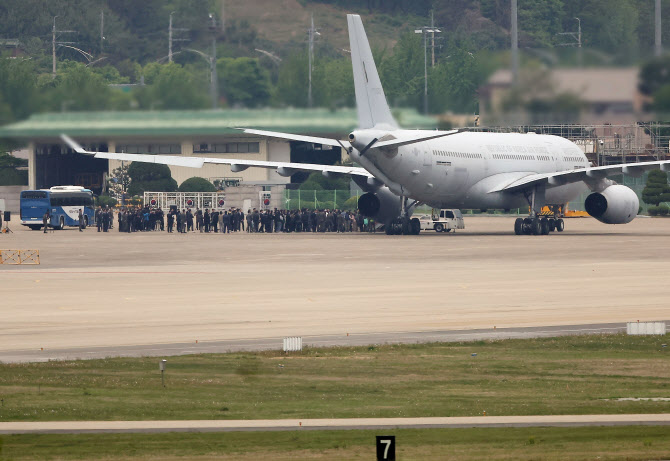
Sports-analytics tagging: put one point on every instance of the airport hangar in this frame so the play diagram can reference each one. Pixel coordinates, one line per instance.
(208, 133)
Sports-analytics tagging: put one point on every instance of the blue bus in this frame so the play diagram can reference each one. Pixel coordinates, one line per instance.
(63, 204)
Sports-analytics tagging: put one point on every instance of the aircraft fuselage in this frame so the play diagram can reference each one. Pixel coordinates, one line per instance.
(460, 170)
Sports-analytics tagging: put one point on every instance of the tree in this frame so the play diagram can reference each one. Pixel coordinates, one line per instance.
(402, 74)
(9, 175)
(244, 81)
(654, 75)
(170, 86)
(196, 184)
(316, 181)
(19, 96)
(77, 87)
(333, 83)
(292, 81)
(118, 181)
(153, 177)
(657, 189)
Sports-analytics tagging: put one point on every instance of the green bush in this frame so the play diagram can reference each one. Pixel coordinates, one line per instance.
(196, 184)
(653, 210)
(150, 177)
(106, 200)
(663, 210)
(12, 177)
(351, 203)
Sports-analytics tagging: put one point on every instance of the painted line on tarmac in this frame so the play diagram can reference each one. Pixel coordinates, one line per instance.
(74, 427)
(105, 272)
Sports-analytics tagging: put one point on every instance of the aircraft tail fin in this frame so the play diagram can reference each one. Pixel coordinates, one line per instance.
(373, 110)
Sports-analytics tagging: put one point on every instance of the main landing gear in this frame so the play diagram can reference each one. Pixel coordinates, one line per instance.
(403, 225)
(536, 224)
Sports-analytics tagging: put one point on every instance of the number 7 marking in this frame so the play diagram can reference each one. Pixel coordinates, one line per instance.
(387, 442)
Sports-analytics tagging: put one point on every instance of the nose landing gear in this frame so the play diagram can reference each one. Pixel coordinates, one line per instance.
(403, 225)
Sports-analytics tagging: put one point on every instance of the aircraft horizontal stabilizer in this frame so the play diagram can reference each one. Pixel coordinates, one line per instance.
(404, 142)
(293, 137)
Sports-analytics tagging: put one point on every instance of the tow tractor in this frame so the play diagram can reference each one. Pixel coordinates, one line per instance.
(442, 220)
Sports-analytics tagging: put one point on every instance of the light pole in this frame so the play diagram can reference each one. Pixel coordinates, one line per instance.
(579, 42)
(425, 31)
(214, 83)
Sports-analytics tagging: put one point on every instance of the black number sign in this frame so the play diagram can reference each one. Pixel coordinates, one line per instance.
(386, 448)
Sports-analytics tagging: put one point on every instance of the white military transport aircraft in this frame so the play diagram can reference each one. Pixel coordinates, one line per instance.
(446, 169)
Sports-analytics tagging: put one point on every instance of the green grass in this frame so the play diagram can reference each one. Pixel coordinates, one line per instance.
(566, 375)
(603, 443)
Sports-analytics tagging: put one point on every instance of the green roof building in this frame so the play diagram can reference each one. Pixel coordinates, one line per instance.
(187, 133)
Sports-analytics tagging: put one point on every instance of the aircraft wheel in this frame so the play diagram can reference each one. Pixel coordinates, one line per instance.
(61, 223)
(544, 224)
(527, 226)
(560, 225)
(85, 222)
(518, 226)
(415, 226)
(439, 227)
(552, 224)
(536, 227)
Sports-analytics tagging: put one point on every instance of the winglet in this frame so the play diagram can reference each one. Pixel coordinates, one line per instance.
(73, 144)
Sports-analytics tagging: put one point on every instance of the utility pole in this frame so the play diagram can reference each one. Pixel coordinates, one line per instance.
(425, 30)
(171, 39)
(54, 33)
(432, 37)
(311, 32)
(515, 45)
(577, 37)
(214, 83)
(102, 29)
(658, 48)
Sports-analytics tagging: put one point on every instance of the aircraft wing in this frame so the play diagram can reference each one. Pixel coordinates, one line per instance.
(283, 168)
(583, 174)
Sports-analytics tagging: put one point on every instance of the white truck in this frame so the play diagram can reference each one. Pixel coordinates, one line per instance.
(442, 220)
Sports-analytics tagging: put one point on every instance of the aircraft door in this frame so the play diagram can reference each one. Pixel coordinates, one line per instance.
(427, 158)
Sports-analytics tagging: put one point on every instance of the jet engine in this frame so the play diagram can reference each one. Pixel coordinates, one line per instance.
(382, 205)
(616, 204)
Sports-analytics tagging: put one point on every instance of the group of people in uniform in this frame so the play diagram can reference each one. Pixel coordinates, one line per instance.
(137, 219)
(224, 221)
(307, 221)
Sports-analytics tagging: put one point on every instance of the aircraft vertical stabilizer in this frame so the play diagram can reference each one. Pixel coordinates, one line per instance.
(373, 110)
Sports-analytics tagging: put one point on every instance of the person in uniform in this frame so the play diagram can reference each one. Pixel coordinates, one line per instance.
(215, 221)
(45, 220)
(81, 220)
(98, 218)
(170, 221)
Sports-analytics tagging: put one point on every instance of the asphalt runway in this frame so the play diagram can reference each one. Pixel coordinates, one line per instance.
(153, 293)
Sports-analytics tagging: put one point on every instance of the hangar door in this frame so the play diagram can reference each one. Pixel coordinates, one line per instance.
(57, 165)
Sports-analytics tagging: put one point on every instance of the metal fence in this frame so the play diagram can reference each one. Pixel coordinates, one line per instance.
(320, 199)
(183, 200)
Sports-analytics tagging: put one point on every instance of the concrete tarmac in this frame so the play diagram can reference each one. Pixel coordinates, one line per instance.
(153, 293)
(78, 427)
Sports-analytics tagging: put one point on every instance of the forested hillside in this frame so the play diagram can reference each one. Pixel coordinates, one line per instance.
(262, 47)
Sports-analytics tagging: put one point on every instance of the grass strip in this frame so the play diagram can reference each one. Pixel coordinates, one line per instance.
(564, 375)
(586, 443)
